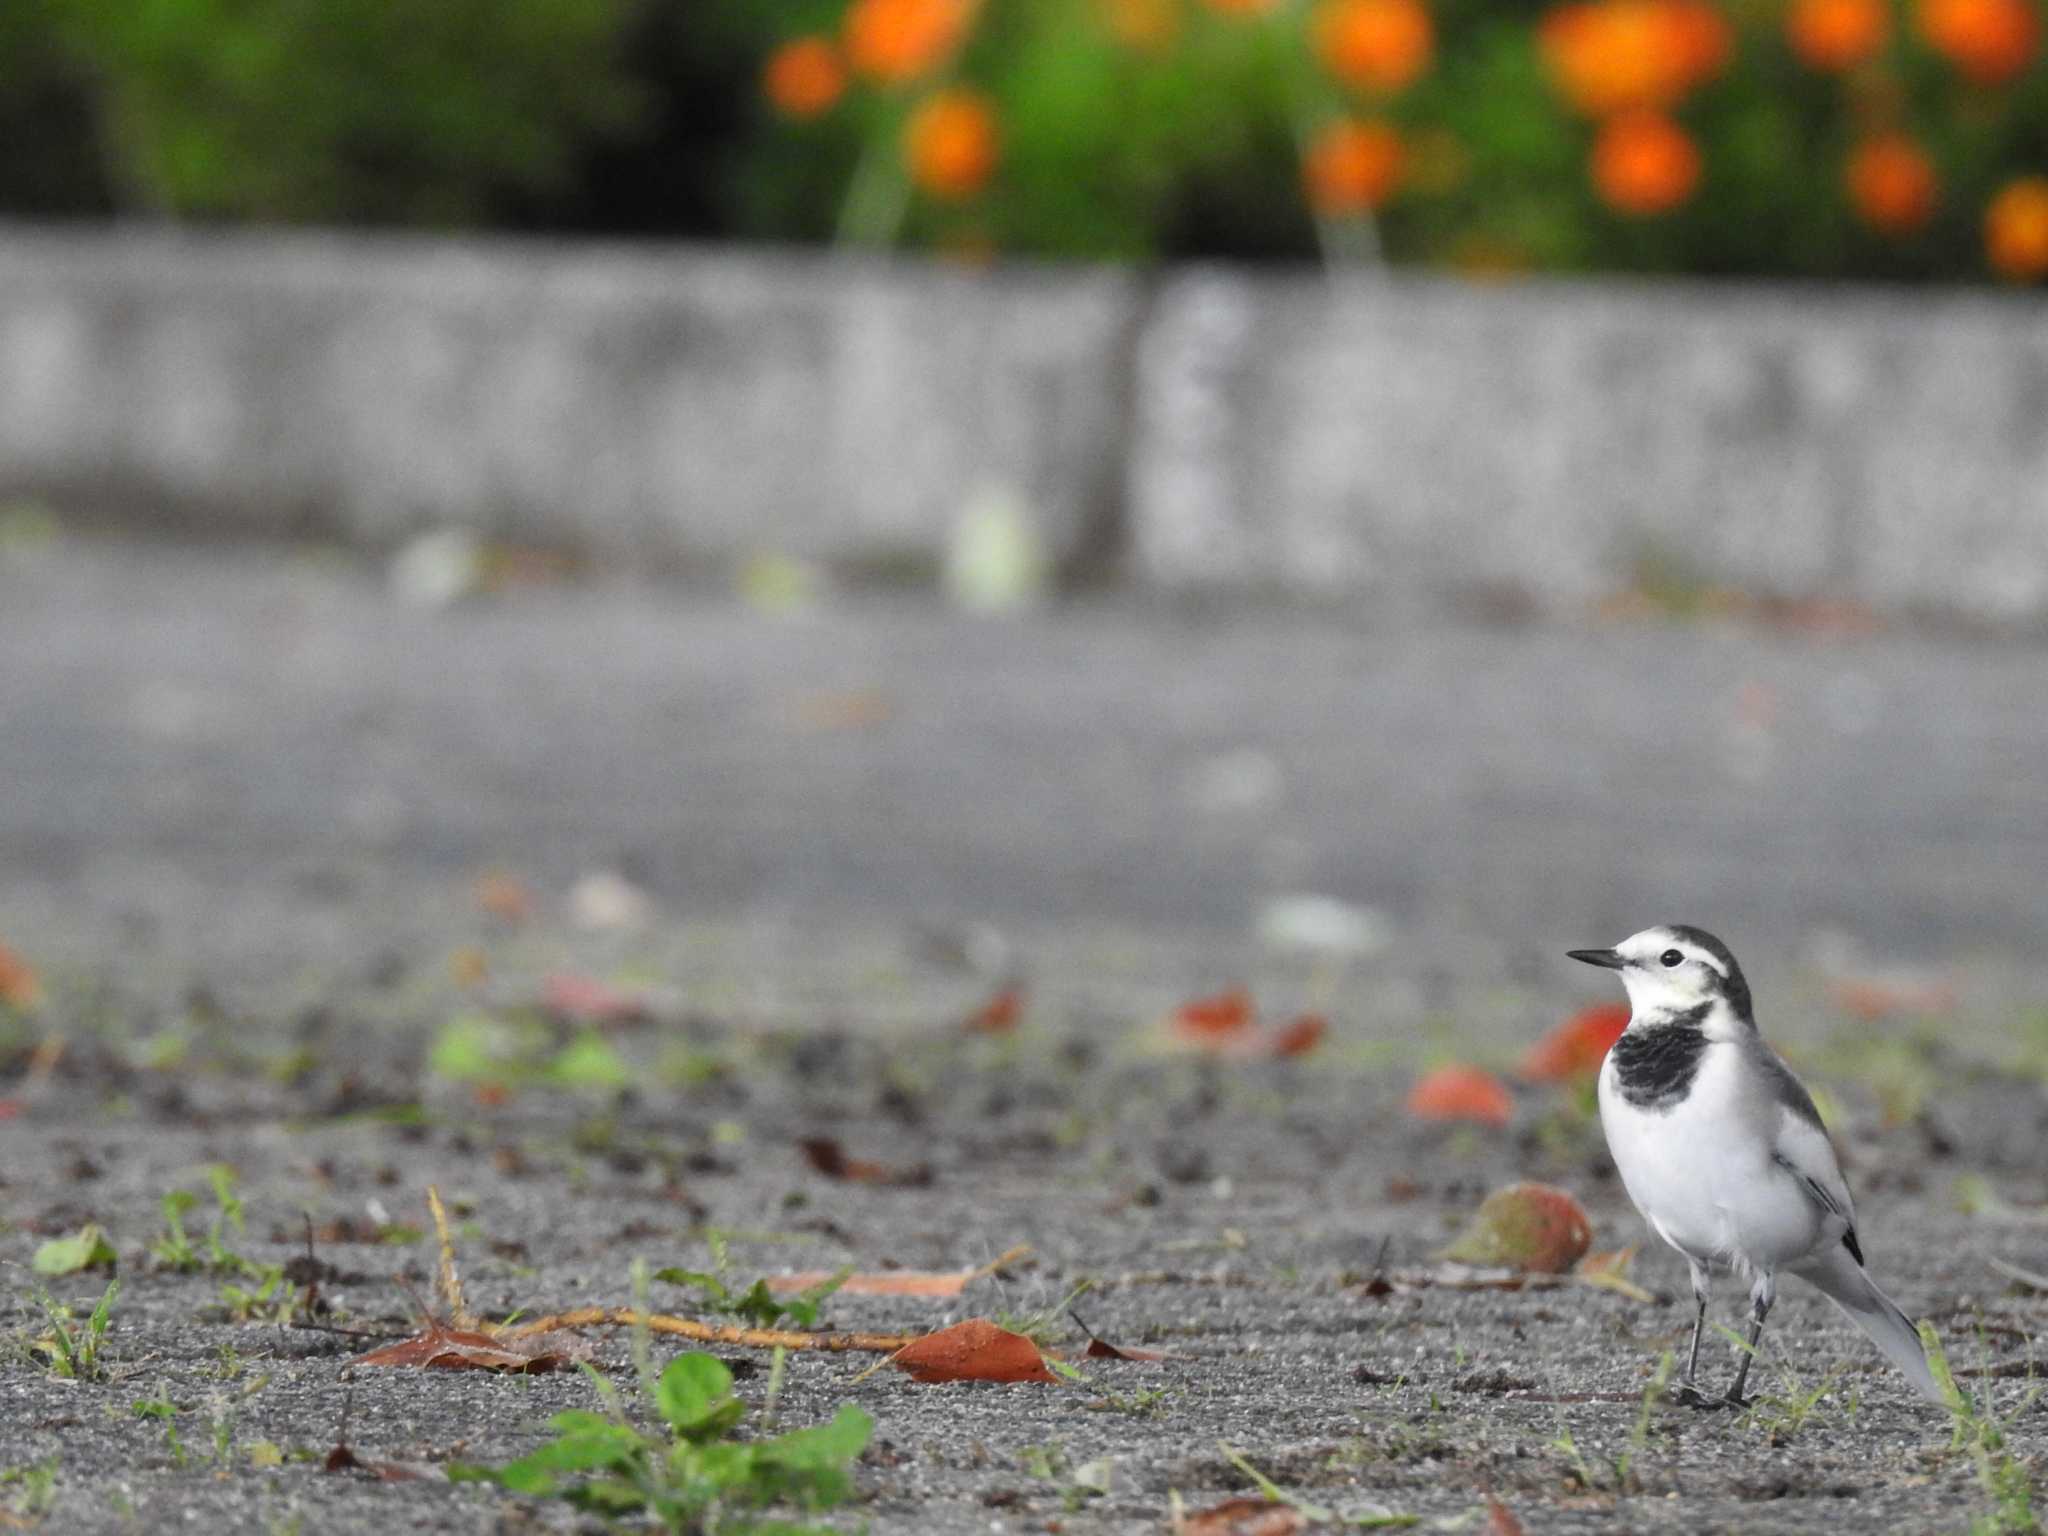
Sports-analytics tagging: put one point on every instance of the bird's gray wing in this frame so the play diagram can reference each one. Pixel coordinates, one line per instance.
(1800, 1143)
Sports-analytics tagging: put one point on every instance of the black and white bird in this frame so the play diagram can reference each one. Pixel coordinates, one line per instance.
(1723, 1152)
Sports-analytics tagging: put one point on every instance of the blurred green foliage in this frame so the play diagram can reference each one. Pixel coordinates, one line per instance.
(648, 116)
(382, 110)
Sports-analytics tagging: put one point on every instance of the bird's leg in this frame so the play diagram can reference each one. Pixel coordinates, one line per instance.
(1689, 1391)
(1760, 1303)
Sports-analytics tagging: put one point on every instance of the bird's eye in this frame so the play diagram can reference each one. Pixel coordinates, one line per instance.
(1670, 957)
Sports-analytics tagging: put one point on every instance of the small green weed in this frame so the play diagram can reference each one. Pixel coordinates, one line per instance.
(755, 1305)
(37, 1485)
(1077, 1485)
(1318, 1514)
(2007, 1481)
(72, 1350)
(695, 1476)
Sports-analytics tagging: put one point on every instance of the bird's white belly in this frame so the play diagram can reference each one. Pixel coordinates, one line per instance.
(1702, 1174)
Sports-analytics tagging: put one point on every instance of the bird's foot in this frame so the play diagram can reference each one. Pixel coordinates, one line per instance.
(1733, 1399)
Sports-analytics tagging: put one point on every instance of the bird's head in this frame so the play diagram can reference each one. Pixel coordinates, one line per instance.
(1672, 971)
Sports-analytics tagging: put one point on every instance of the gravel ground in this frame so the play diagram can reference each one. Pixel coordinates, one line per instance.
(247, 799)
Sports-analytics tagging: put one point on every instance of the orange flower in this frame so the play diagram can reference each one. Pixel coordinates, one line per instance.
(1643, 164)
(893, 41)
(950, 144)
(1891, 184)
(1607, 56)
(1378, 45)
(1834, 35)
(1352, 167)
(2016, 230)
(804, 77)
(1990, 41)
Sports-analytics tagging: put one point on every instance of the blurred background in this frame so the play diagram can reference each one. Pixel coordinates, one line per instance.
(1166, 483)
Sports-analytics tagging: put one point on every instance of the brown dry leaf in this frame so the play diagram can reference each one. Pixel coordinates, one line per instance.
(504, 896)
(829, 1158)
(1526, 1226)
(343, 1459)
(997, 1016)
(468, 966)
(1242, 1516)
(20, 988)
(1102, 1349)
(1214, 1020)
(976, 1350)
(1500, 1520)
(1299, 1035)
(439, 1347)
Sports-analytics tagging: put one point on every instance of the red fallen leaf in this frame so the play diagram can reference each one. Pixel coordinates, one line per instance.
(976, 1350)
(1243, 1516)
(1535, 1227)
(826, 1155)
(1461, 1093)
(1500, 1520)
(1299, 1035)
(9, 1108)
(1207, 1020)
(491, 1095)
(585, 1000)
(439, 1347)
(504, 896)
(999, 1015)
(1576, 1047)
(20, 988)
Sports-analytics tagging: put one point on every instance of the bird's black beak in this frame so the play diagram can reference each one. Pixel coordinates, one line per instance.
(1607, 959)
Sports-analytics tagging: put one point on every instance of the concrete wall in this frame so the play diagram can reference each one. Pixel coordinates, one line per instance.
(1205, 429)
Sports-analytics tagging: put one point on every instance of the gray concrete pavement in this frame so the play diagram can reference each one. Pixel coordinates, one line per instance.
(273, 737)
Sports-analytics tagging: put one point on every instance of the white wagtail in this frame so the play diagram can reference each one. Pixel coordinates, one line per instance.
(1723, 1152)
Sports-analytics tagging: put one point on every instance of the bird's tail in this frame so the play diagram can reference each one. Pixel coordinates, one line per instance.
(1843, 1281)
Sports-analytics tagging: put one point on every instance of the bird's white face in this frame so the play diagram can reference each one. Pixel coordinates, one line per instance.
(1666, 974)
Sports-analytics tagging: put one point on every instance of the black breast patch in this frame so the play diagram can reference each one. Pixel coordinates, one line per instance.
(1654, 1065)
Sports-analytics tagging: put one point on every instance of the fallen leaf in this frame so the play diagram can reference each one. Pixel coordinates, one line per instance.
(976, 1350)
(1461, 1093)
(1500, 1520)
(1609, 1272)
(343, 1459)
(468, 966)
(1535, 1227)
(1102, 1349)
(439, 1347)
(1576, 1047)
(999, 1015)
(1242, 1516)
(1208, 1020)
(825, 1155)
(20, 988)
(586, 1000)
(1299, 1035)
(504, 896)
